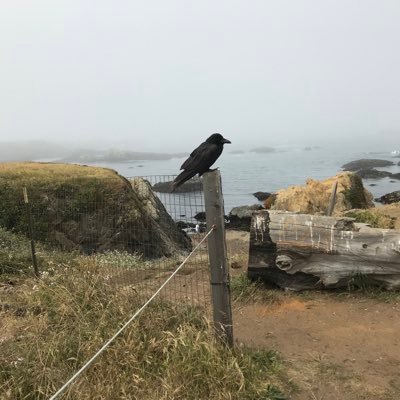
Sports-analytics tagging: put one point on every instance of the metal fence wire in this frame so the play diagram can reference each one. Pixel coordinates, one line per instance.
(134, 230)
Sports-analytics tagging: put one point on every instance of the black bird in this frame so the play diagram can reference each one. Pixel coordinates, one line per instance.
(201, 159)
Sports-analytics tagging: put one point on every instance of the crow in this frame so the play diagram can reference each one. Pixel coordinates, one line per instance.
(201, 159)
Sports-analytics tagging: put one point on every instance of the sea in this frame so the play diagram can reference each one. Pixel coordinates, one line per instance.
(249, 172)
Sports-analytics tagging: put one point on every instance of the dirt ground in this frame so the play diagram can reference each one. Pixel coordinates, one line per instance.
(333, 346)
(335, 349)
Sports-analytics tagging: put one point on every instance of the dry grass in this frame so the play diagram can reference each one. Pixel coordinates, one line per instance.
(51, 326)
(52, 171)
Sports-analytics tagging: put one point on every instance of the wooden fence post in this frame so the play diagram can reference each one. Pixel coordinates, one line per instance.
(30, 224)
(332, 199)
(220, 283)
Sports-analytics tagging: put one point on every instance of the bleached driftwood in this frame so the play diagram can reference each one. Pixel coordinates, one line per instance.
(299, 251)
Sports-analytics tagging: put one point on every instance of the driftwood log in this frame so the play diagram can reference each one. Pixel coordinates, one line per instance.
(299, 251)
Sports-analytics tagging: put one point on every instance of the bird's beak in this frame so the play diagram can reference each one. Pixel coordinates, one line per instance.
(226, 141)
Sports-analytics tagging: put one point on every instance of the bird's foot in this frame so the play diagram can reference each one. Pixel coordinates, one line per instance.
(211, 169)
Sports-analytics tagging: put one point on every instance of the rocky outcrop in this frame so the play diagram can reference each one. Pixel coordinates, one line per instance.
(192, 185)
(164, 229)
(373, 174)
(87, 209)
(393, 197)
(264, 150)
(313, 198)
(240, 217)
(366, 164)
(261, 196)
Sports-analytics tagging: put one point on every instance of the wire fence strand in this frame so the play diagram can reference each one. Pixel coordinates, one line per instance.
(130, 320)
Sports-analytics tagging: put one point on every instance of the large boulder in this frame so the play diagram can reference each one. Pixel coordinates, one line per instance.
(261, 196)
(372, 173)
(87, 209)
(366, 163)
(313, 198)
(240, 217)
(389, 198)
(192, 185)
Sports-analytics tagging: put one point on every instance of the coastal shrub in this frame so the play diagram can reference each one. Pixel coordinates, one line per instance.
(374, 219)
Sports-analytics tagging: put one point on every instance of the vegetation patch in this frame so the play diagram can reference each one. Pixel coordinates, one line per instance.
(372, 218)
(52, 325)
(245, 290)
(85, 208)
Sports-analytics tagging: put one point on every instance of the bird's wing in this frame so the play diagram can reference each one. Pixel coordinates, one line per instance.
(186, 164)
(202, 158)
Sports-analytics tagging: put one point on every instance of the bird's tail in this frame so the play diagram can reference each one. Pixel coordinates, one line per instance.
(182, 178)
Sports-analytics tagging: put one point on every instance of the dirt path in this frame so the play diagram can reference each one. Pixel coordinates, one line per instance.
(334, 349)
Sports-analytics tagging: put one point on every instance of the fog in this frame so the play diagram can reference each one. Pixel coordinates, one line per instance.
(163, 75)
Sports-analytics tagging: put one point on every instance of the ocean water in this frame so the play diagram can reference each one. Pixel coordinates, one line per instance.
(244, 174)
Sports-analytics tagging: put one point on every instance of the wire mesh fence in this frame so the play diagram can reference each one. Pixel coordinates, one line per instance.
(133, 236)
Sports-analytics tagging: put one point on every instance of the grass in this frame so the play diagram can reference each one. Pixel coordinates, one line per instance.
(244, 290)
(374, 219)
(52, 325)
(84, 208)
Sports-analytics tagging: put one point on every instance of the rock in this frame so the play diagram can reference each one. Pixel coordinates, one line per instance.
(366, 163)
(268, 203)
(185, 225)
(371, 173)
(192, 185)
(372, 184)
(395, 176)
(398, 163)
(313, 198)
(264, 149)
(389, 198)
(163, 227)
(240, 217)
(88, 209)
(261, 196)
(391, 181)
(200, 216)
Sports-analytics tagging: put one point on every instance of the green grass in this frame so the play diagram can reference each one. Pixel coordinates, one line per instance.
(374, 219)
(245, 290)
(52, 325)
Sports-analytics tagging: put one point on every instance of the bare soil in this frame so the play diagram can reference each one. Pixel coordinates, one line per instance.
(334, 346)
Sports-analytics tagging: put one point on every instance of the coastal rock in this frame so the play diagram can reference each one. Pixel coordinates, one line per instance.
(192, 185)
(389, 198)
(87, 209)
(261, 196)
(200, 216)
(264, 149)
(185, 225)
(313, 198)
(366, 163)
(240, 217)
(371, 173)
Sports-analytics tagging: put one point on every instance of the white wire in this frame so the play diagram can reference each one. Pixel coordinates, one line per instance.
(66, 384)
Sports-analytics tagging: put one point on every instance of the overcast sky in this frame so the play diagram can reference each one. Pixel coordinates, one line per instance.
(163, 75)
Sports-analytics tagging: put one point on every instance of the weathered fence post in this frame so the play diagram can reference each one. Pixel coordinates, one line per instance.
(220, 285)
(30, 225)
(332, 199)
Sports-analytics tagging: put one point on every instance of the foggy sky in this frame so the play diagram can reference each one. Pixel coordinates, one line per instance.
(163, 75)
